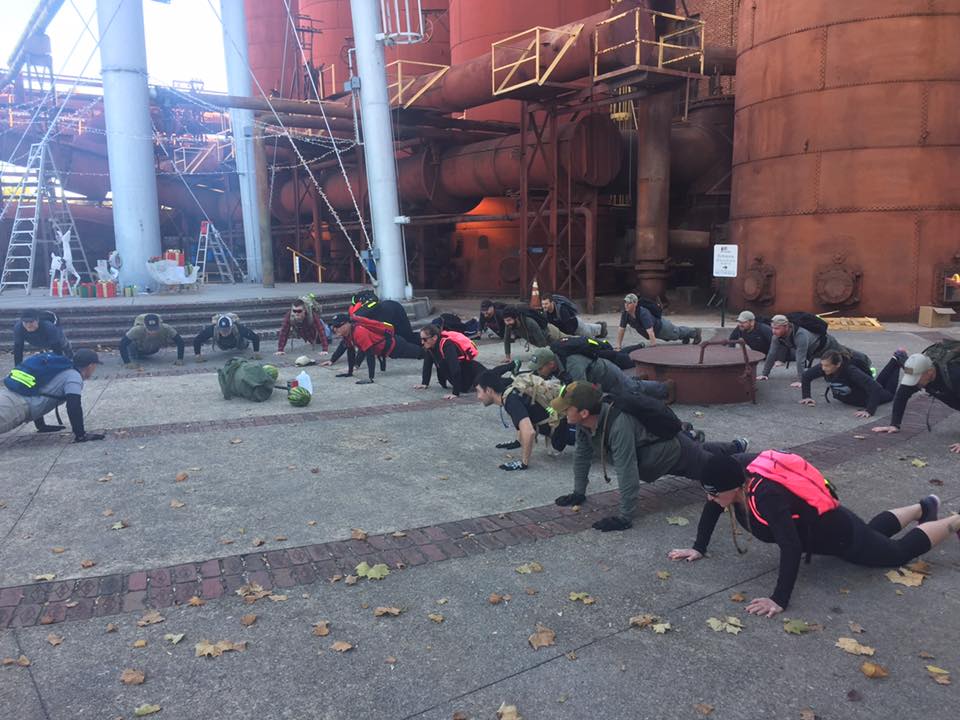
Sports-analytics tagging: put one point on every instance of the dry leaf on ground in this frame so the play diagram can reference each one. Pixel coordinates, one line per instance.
(181, 476)
(341, 647)
(358, 534)
(855, 628)
(436, 617)
(132, 677)
(808, 714)
(398, 534)
(196, 601)
(703, 709)
(141, 643)
(641, 621)
(902, 576)
(45, 577)
(795, 627)
(390, 660)
(251, 592)
(873, 670)
(350, 580)
(495, 599)
(259, 542)
(119, 525)
(508, 712)
(542, 637)
(678, 520)
(663, 574)
(174, 638)
(54, 639)
(530, 567)
(738, 597)
(939, 675)
(87, 564)
(205, 648)
(391, 611)
(582, 597)
(177, 504)
(731, 624)
(322, 628)
(853, 647)
(920, 566)
(111, 627)
(58, 550)
(248, 620)
(151, 617)
(146, 709)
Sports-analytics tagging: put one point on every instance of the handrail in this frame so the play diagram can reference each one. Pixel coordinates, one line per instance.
(296, 265)
(528, 54)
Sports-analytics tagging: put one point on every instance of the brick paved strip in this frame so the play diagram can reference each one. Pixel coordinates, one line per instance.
(50, 603)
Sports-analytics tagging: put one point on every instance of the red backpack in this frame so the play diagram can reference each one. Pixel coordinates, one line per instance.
(796, 475)
(378, 330)
(468, 351)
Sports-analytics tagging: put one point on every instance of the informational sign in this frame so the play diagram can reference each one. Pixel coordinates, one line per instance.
(725, 261)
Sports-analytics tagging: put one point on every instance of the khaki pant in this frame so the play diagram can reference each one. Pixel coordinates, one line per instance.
(14, 411)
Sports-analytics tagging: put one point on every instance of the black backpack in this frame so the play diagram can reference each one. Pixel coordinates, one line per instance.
(655, 416)
(593, 348)
(560, 300)
(808, 321)
(655, 308)
(536, 315)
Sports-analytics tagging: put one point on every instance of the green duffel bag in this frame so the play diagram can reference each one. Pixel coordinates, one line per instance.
(246, 379)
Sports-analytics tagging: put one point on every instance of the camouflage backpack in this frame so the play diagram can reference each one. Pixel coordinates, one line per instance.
(541, 391)
(242, 378)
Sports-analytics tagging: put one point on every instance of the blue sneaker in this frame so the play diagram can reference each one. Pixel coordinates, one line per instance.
(742, 444)
(929, 509)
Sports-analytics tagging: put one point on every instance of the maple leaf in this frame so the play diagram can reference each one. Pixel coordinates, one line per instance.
(119, 525)
(358, 534)
(731, 625)
(902, 576)
(151, 617)
(87, 564)
(920, 566)
(795, 627)
(173, 638)
(661, 628)
(436, 617)
(111, 628)
(248, 619)
(808, 714)
(738, 597)
(678, 520)
(132, 677)
(195, 601)
(495, 599)
(853, 647)
(873, 670)
(45, 577)
(582, 597)
(322, 628)
(341, 647)
(141, 643)
(508, 712)
(918, 463)
(146, 709)
(703, 709)
(641, 621)
(391, 611)
(205, 648)
(177, 504)
(663, 574)
(54, 639)
(939, 675)
(542, 637)
(258, 542)
(181, 477)
(350, 580)
(530, 567)
(855, 628)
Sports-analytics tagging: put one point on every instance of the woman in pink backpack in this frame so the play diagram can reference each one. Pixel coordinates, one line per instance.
(781, 498)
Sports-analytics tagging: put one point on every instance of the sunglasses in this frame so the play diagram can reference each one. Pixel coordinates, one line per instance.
(297, 312)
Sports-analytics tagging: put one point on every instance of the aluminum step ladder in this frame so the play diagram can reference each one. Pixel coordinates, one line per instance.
(227, 268)
(39, 185)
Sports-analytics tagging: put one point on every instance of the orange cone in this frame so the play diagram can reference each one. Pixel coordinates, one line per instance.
(535, 295)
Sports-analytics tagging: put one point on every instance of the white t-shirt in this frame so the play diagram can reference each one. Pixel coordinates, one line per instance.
(68, 382)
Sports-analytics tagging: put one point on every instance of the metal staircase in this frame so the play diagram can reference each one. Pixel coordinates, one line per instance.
(39, 185)
(228, 270)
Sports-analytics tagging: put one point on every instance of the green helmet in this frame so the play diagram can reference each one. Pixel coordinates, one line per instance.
(299, 397)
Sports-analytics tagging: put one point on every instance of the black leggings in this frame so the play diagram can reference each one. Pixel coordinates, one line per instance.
(402, 349)
(873, 544)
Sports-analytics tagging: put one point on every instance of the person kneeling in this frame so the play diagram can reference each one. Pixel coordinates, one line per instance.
(455, 357)
(781, 498)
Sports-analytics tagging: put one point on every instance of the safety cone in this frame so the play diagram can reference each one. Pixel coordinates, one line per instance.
(535, 295)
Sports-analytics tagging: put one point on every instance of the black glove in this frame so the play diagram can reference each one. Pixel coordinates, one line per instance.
(571, 499)
(512, 445)
(50, 428)
(365, 382)
(612, 523)
(89, 437)
(514, 465)
(347, 374)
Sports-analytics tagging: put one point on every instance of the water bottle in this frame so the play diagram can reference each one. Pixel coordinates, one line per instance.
(303, 380)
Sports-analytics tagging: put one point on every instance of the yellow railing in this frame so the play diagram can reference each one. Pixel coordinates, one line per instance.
(295, 259)
(328, 81)
(682, 46)
(528, 43)
(405, 74)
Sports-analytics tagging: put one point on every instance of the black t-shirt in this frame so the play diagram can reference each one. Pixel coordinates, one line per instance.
(643, 320)
(519, 406)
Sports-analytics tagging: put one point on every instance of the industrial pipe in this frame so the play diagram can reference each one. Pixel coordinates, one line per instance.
(36, 25)
(655, 114)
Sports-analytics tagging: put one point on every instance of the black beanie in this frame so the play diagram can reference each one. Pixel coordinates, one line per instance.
(722, 473)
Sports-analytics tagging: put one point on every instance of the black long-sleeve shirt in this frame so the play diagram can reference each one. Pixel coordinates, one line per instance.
(449, 370)
(937, 388)
(791, 523)
(47, 336)
(564, 318)
(227, 342)
(849, 385)
(126, 342)
(758, 339)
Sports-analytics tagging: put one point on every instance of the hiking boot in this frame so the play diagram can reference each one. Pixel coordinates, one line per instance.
(929, 509)
(697, 336)
(742, 444)
(603, 329)
(671, 391)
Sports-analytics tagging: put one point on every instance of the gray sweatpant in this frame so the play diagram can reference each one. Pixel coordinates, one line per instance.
(14, 411)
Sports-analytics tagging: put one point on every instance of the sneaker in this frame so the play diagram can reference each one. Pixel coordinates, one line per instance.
(742, 444)
(929, 509)
(603, 329)
(697, 336)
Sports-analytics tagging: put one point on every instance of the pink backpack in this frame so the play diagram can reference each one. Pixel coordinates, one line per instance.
(796, 475)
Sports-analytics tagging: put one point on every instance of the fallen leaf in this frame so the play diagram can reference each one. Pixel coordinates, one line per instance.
(703, 709)
(140, 643)
(859, 437)
(146, 709)
(350, 580)
(738, 597)
(874, 671)
(107, 513)
(105, 478)
(87, 564)
(936, 481)
(336, 578)
(196, 601)
(542, 637)
(311, 523)
(377, 572)
(531, 591)
(391, 611)
(181, 477)
(436, 617)
(508, 712)
(44, 577)
(678, 520)
(570, 655)
(442, 601)
(661, 628)
(111, 628)
(530, 567)
(132, 677)
(54, 639)
(341, 647)
(119, 525)
(731, 625)
(280, 538)
(795, 627)
(252, 592)
(258, 542)
(575, 508)
(495, 599)
(23, 661)
(174, 638)
(641, 621)
(939, 675)
(941, 679)
(151, 617)
(902, 576)
(72, 604)
(663, 574)
(277, 598)
(177, 504)
(854, 696)
(58, 550)
(236, 441)
(918, 463)
(390, 660)
(582, 597)
(47, 620)
(358, 534)
(855, 628)
(226, 541)
(853, 647)
(398, 534)
(808, 714)
(248, 619)
(322, 628)
(925, 655)
(920, 566)
(205, 648)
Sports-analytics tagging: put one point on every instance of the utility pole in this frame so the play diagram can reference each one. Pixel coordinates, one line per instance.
(126, 103)
(378, 151)
(233, 19)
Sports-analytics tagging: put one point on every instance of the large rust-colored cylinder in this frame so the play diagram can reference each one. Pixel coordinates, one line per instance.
(654, 116)
(274, 57)
(845, 189)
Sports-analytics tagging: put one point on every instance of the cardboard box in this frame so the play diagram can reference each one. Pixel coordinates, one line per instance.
(935, 316)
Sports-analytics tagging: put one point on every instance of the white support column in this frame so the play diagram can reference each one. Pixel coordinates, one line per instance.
(378, 149)
(234, 23)
(126, 102)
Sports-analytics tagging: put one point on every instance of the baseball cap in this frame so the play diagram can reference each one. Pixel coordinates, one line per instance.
(581, 395)
(915, 366)
(84, 357)
(779, 320)
(746, 316)
(541, 357)
(339, 319)
(224, 323)
(151, 321)
(630, 298)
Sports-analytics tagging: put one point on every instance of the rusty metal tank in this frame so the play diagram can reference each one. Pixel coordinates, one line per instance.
(845, 192)
(268, 32)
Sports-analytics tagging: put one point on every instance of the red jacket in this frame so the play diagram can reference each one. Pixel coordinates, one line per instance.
(311, 332)
(364, 339)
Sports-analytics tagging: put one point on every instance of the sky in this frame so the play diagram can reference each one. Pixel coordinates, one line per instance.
(183, 37)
